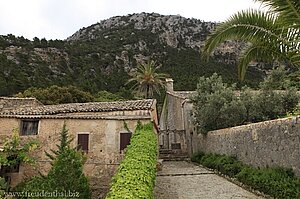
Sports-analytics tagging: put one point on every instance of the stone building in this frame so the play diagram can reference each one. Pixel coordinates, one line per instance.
(176, 125)
(98, 127)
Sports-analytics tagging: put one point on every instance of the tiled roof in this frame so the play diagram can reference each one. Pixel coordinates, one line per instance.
(86, 117)
(82, 107)
(8, 103)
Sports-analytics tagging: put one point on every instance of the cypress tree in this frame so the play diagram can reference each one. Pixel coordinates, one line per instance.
(66, 175)
(65, 178)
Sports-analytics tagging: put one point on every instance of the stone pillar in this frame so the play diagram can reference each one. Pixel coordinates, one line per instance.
(169, 84)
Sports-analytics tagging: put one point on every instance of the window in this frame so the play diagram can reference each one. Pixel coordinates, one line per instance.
(83, 142)
(124, 140)
(29, 127)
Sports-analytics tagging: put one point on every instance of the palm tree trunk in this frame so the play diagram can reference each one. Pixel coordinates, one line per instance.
(147, 91)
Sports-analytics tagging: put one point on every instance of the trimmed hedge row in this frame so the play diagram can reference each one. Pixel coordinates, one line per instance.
(136, 174)
(276, 182)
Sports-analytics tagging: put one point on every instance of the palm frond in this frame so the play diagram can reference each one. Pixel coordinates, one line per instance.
(288, 10)
(250, 25)
(147, 79)
(257, 52)
(295, 59)
(272, 35)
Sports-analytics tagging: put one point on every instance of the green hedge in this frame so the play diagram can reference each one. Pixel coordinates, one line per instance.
(136, 174)
(276, 182)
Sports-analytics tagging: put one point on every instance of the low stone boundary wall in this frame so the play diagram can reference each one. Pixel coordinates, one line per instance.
(269, 143)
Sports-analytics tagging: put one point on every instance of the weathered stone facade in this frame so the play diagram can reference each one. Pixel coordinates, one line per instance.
(176, 121)
(269, 143)
(103, 122)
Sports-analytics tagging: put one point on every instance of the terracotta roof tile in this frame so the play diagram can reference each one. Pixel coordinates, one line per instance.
(82, 107)
(10, 103)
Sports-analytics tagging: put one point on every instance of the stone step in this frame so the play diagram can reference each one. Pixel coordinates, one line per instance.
(170, 151)
(174, 157)
(177, 158)
(166, 151)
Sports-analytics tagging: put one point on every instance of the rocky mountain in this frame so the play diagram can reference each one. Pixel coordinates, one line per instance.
(169, 31)
(101, 56)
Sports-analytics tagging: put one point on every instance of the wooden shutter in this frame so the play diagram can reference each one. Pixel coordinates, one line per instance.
(124, 140)
(83, 142)
(29, 127)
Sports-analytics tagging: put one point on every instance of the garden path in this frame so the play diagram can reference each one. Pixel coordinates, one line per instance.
(184, 180)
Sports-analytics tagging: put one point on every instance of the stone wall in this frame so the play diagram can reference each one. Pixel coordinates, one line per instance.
(269, 143)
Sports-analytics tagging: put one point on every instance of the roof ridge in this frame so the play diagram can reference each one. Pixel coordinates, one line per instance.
(121, 101)
(143, 104)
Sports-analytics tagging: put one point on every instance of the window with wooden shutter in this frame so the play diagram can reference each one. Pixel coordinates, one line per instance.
(124, 140)
(29, 127)
(83, 142)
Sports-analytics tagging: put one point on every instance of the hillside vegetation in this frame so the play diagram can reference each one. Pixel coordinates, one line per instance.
(101, 56)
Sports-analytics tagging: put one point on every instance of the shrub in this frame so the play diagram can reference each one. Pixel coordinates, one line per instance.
(136, 174)
(276, 182)
(290, 100)
(3, 187)
(14, 152)
(294, 112)
(196, 157)
(225, 164)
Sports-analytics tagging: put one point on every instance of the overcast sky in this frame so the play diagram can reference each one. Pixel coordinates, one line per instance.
(59, 19)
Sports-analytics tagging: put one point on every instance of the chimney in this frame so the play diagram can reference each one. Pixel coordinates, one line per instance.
(169, 84)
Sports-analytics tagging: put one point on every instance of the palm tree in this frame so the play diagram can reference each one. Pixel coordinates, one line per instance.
(147, 80)
(273, 35)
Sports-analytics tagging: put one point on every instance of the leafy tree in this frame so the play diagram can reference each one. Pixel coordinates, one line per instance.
(147, 80)
(277, 80)
(218, 105)
(253, 109)
(273, 35)
(273, 102)
(58, 95)
(294, 79)
(105, 96)
(14, 152)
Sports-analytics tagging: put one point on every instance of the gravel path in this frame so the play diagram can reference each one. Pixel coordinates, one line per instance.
(183, 180)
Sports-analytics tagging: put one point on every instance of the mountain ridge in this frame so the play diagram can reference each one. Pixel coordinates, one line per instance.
(93, 58)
